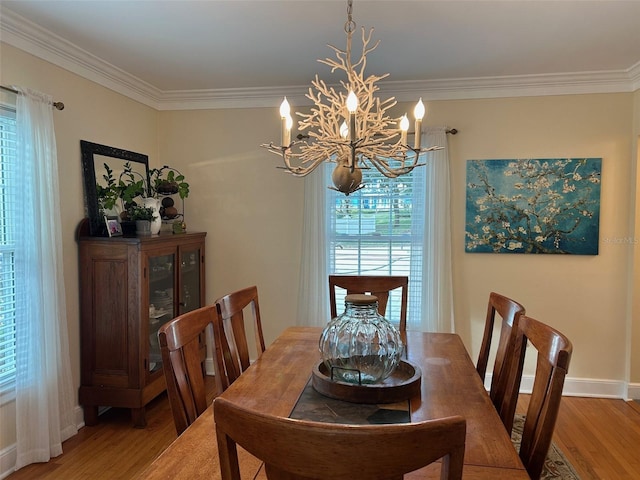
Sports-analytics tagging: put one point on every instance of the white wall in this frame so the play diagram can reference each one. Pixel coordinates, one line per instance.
(251, 211)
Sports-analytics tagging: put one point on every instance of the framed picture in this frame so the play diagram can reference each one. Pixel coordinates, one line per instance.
(113, 225)
(533, 206)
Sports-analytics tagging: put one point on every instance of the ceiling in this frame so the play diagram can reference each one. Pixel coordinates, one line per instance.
(180, 47)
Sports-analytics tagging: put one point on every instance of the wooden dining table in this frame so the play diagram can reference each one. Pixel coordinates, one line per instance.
(273, 384)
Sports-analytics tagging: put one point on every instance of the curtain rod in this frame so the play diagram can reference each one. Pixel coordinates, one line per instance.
(57, 105)
(452, 131)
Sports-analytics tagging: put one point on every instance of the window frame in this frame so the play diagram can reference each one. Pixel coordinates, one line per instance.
(407, 240)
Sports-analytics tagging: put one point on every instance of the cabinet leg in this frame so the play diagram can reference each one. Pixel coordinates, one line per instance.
(139, 418)
(90, 415)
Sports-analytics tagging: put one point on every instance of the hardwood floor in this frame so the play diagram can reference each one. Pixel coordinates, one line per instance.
(599, 437)
(113, 449)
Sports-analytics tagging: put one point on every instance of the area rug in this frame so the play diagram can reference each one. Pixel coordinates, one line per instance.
(556, 466)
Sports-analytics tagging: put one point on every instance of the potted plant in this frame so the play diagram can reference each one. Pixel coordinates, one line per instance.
(143, 216)
(131, 190)
(167, 181)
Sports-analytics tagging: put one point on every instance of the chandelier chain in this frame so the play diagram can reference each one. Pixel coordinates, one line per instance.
(350, 25)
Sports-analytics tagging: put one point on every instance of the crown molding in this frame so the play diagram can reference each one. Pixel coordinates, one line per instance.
(30, 37)
(634, 75)
(232, 98)
(514, 86)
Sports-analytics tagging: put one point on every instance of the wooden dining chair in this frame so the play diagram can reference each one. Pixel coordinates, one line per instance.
(230, 337)
(181, 346)
(300, 449)
(509, 311)
(554, 354)
(380, 286)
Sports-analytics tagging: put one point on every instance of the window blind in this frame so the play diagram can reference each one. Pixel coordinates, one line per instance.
(374, 232)
(8, 198)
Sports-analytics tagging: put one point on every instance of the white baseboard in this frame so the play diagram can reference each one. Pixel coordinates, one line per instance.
(583, 387)
(7, 461)
(79, 416)
(633, 391)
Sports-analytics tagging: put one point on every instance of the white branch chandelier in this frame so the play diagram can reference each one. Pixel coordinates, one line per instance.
(350, 129)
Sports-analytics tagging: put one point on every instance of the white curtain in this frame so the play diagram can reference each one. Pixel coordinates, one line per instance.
(313, 294)
(44, 388)
(437, 291)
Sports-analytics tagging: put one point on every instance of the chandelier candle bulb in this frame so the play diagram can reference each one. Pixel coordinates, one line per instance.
(404, 127)
(344, 130)
(418, 112)
(288, 124)
(352, 106)
(285, 111)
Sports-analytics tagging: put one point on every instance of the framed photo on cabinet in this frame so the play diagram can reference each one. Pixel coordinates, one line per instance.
(113, 225)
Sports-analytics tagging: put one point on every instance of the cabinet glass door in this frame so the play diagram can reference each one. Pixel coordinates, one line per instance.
(189, 279)
(161, 303)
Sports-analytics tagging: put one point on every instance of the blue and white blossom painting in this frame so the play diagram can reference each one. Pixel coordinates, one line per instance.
(533, 206)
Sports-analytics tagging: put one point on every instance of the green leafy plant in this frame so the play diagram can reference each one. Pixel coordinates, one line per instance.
(107, 195)
(138, 212)
(167, 181)
(129, 185)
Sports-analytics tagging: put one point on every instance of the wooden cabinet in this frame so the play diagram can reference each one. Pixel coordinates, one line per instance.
(129, 288)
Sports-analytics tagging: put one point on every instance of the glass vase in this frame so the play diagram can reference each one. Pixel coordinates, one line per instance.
(360, 346)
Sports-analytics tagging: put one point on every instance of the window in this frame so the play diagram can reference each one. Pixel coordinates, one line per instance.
(7, 247)
(378, 231)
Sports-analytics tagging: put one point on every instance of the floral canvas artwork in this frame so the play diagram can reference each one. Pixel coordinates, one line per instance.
(533, 206)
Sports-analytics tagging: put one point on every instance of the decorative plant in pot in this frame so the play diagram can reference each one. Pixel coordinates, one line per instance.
(143, 216)
(164, 182)
(167, 181)
(129, 190)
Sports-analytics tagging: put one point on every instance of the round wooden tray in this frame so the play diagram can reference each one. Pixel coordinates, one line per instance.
(402, 384)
